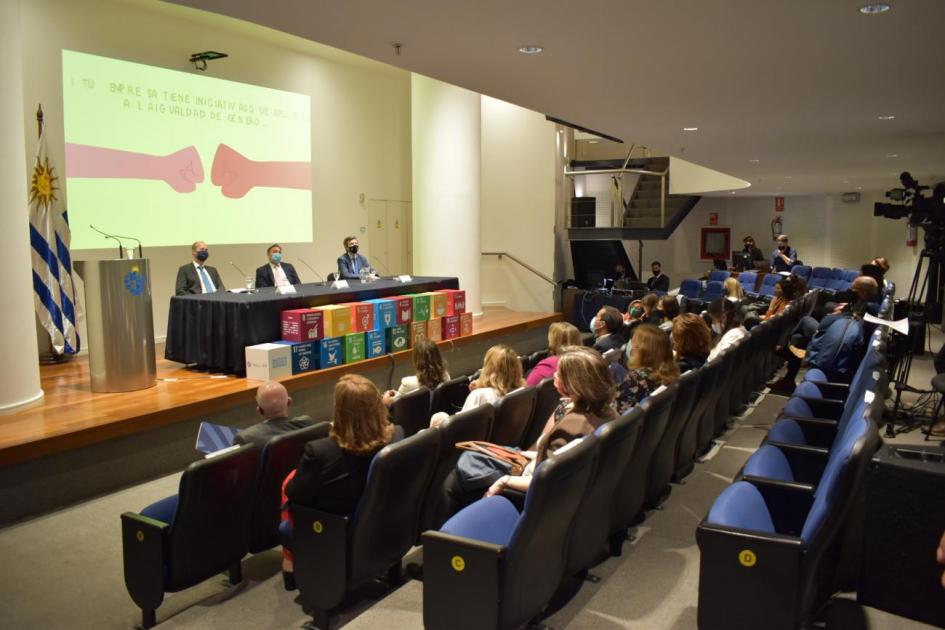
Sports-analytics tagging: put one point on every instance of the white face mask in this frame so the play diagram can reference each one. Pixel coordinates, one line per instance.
(717, 328)
(593, 324)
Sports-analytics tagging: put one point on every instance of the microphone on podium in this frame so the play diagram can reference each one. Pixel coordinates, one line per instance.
(312, 269)
(138, 241)
(121, 248)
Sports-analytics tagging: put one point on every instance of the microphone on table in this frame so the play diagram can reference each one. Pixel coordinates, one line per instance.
(242, 275)
(386, 268)
(121, 248)
(312, 269)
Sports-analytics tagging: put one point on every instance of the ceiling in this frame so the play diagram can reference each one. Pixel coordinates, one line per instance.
(797, 85)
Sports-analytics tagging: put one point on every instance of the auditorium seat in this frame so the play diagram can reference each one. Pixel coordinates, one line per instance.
(183, 540)
(335, 554)
(713, 291)
(747, 279)
(412, 411)
(836, 281)
(663, 464)
(688, 434)
(718, 275)
(547, 400)
(691, 290)
(767, 285)
(513, 414)
(449, 396)
(279, 457)
(819, 277)
(707, 423)
(491, 567)
(802, 271)
(531, 360)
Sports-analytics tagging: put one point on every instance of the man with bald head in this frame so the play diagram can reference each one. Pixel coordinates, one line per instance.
(272, 403)
(197, 276)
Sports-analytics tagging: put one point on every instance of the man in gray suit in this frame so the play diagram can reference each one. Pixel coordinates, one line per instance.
(197, 277)
(272, 403)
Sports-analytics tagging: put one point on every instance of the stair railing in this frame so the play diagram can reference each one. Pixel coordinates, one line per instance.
(620, 171)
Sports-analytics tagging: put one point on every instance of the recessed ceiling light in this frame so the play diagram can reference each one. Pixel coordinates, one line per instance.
(859, 188)
(887, 117)
(593, 141)
(892, 155)
(733, 192)
(846, 181)
(690, 129)
(530, 50)
(873, 9)
(754, 160)
(788, 177)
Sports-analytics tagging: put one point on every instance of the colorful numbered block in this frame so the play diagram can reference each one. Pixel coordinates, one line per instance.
(302, 324)
(385, 312)
(465, 324)
(438, 305)
(304, 357)
(455, 301)
(404, 308)
(397, 338)
(354, 347)
(435, 329)
(362, 316)
(418, 331)
(421, 307)
(267, 361)
(331, 352)
(375, 343)
(337, 320)
(451, 327)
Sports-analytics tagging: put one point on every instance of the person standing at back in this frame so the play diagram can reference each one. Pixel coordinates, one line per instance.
(196, 276)
(784, 257)
(351, 263)
(659, 281)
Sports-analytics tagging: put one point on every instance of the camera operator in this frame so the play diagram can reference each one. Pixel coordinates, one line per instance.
(784, 257)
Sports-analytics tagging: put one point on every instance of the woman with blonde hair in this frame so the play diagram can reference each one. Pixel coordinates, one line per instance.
(501, 373)
(692, 340)
(733, 289)
(651, 365)
(429, 367)
(332, 473)
(560, 334)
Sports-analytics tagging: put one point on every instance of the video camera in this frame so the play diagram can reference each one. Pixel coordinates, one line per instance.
(921, 209)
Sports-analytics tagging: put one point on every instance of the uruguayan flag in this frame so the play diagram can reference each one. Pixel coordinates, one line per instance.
(53, 291)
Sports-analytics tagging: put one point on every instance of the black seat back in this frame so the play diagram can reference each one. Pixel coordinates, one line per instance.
(449, 396)
(279, 457)
(473, 424)
(664, 457)
(211, 529)
(412, 411)
(384, 526)
(631, 490)
(686, 444)
(591, 526)
(513, 414)
(706, 429)
(536, 553)
(546, 401)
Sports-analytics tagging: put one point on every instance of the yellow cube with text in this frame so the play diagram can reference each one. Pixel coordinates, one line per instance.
(337, 319)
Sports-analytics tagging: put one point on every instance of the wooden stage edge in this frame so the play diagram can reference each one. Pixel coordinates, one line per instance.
(71, 416)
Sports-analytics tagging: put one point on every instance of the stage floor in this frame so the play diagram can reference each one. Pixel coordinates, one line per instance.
(72, 416)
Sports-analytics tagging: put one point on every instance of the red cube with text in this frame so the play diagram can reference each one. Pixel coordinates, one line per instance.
(455, 301)
(362, 316)
(404, 308)
(302, 324)
(465, 324)
(451, 327)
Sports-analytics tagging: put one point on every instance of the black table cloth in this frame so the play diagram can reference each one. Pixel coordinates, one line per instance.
(212, 330)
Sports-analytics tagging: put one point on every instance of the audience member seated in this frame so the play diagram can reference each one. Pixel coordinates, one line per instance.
(583, 380)
(725, 315)
(783, 294)
(753, 252)
(784, 257)
(501, 373)
(333, 471)
(691, 341)
(669, 305)
(429, 371)
(651, 365)
(651, 312)
(560, 334)
(608, 327)
(659, 281)
(733, 290)
(272, 403)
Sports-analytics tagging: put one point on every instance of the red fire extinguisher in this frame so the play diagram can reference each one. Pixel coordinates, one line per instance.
(911, 236)
(776, 228)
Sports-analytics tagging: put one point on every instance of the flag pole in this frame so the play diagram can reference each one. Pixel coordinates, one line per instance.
(39, 120)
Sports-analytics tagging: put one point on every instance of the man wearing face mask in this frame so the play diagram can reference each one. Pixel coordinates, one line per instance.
(784, 257)
(276, 273)
(351, 262)
(198, 277)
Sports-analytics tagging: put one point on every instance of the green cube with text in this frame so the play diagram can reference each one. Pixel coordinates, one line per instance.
(421, 307)
(354, 347)
(397, 338)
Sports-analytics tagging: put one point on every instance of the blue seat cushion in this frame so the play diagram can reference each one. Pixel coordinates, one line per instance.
(769, 462)
(491, 520)
(164, 510)
(742, 506)
(798, 407)
(788, 431)
(815, 375)
(806, 389)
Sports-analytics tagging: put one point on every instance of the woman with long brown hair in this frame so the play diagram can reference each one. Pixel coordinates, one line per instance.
(692, 339)
(651, 365)
(429, 371)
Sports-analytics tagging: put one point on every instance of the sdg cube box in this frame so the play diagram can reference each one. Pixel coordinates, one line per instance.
(337, 320)
(385, 312)
(451, 327)
(418, 331)
(438, 305)
(331, 352)
(267, 361)
(304, 355)
(455, 301)
(421, 307)
(465, 324)
(435, 329)
(302, 324)
(354, 347)
(362, 316)
(397, 338)
(404, 308)
(375, 343)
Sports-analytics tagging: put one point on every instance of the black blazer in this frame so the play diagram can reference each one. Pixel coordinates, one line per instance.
(262, 432)
(608, 342)
(658, 283)
(188, 282)
(264, 276)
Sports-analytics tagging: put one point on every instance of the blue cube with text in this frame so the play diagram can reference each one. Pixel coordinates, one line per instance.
(376, 343)
(331, 352)
(385, 312)
(304, 358)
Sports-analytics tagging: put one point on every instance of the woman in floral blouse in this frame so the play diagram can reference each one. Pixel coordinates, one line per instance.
(651, 365)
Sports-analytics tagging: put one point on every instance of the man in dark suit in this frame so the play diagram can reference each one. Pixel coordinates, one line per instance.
(659, 281)
(272, 403)
(198, 277)
(276, 273)
(351, 262)
(609, 324)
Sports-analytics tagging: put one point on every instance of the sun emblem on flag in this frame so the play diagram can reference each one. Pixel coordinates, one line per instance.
(43, 186)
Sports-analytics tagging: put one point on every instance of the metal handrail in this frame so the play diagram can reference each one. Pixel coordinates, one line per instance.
(611, 171)
(523, 264)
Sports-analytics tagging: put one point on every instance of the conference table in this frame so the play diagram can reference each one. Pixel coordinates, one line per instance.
(212, 330)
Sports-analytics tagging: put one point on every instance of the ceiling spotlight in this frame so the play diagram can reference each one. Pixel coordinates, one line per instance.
(200, 59)
(733, 192)
(846, 181)
(530, 50)
(892, 155)
(875, 8)
(593, 141)
(754, 160)
(888, 117)
(690, 129)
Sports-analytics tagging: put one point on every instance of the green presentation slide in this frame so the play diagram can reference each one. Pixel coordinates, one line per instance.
(171, 157)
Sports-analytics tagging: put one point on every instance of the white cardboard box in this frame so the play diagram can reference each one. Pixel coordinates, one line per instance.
(268, 361)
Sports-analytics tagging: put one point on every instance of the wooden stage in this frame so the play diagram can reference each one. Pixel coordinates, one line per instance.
(71, 416)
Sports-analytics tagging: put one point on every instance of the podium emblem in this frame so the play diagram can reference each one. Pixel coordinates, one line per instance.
(134, 282)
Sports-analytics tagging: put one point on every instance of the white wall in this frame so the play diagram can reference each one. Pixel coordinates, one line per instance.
(360, 114)
(518, 205)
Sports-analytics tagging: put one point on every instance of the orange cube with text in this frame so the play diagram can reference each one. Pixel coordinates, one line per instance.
(362, 316)
(435, 329)
(418, 330)
(438, 305)
(465, 324)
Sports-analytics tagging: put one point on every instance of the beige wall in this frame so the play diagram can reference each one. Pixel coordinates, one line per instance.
(518, 205)
(360, 113)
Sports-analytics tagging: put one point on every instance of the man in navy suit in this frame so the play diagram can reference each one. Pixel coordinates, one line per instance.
(276, 273)
(351, 262)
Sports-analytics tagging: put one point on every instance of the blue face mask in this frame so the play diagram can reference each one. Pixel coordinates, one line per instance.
(276, 257)
(202, 255)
